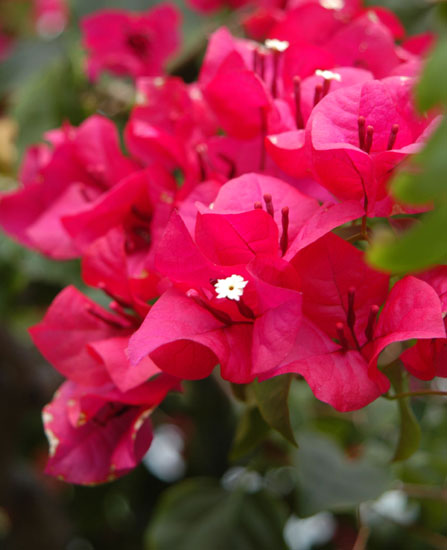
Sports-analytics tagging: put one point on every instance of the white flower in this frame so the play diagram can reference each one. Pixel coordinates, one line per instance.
(275, 44)
(328, 75)
(332, 4)
(231, 287)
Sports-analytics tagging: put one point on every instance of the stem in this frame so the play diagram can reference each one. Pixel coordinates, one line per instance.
(419, 393)
(263, 134)
(364, 227)
(424, 491)
(362, 538)
(276, 55)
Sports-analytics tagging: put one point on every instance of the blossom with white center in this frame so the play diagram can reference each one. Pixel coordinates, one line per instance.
(332, 4)
(277, 45)
(328, 75)
(231, 287)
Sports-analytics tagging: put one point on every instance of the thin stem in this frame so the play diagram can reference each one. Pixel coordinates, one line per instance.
(263, 134)
(419, 393)
(362, 538)
(365, 235)
(424, 491)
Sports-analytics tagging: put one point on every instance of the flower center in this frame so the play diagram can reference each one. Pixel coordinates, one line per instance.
(366, 135)
(138, 43)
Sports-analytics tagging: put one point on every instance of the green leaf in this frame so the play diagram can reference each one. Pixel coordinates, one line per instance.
(272, 399)
(410, 431)
(45, 101)
(27, 59)
(328, 480)
(199, 514)
(424, 176)
(423, 246)
(250, 431)
(432, 88)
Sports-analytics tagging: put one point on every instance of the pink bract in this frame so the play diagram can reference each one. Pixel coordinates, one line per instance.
(340, 339)
(84, 163)
(100, 434)
(359, 134)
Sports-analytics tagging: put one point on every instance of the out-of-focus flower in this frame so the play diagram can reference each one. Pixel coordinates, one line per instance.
(127, 43)
(50, 17)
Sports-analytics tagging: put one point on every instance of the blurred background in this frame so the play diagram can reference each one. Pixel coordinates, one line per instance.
(187, 494)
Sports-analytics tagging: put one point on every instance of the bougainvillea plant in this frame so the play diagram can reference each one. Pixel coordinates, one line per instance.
(231, 235)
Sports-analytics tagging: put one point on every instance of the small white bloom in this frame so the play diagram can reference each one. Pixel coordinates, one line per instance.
(231, 287)
(328, 75)
(332, 4)
(275, 44)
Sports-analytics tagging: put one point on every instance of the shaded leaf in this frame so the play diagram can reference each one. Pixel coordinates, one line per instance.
(28, 58)
(328, 480)
(46, 100)
(410, 431)
(272, 399)
(432, 88)
(424, 178)
(199, 514)
(422, 246)
(239, 391)
(250, 431)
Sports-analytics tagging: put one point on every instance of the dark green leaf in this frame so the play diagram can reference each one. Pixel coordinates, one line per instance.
(328, 480)
(272, 399)
(28, 58)
(432, 88)
(424, 178)
(410, 431)
(424, 245)
(199, 514)
(45, 101)
(251, 430)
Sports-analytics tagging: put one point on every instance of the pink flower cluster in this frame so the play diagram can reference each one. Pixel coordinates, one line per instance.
(226, 236)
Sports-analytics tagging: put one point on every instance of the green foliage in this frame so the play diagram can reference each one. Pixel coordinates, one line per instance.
(48, 99)
(410, 431)
(251, 431)
(29, 58)
(272, 399)
(422, 246)
(416, 15)
(266, 406)
(328, 480)
(424, 178)
(199, 514)
(432, 88)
